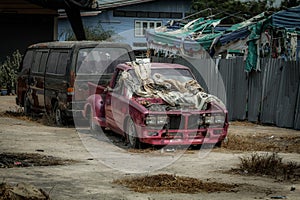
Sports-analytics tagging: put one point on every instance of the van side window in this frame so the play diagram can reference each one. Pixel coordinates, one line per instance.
(36, 62)
(43, 62)
(52, 62)
(27, 61)
(57, 62)
(62, 63)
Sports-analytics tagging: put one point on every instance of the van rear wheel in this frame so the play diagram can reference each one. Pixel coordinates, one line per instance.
(27, 106)
(59, 121)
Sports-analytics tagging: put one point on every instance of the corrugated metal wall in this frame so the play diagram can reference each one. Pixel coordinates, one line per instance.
(269, 96)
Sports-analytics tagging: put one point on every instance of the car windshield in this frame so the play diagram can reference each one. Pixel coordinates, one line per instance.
(100, 60)
(174, 85)
(181, 75)
(178, 74)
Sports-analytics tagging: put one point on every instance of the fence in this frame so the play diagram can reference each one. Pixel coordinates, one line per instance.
(270, 95)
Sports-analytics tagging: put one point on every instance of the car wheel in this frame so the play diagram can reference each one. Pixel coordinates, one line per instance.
(58, 115)
(27, 106)
(218, 144)
(131, 135)
(93, 126)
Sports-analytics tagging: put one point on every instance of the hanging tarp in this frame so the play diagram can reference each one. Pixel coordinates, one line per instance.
(200, 38)
(174, 45)
(244, 36)
(238, 34)
(194, 39)
(288, 19)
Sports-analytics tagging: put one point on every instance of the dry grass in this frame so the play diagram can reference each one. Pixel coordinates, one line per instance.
(268, 164)
(287, 144)
(242, 123)
(44, 119)
(172, 183)
(9, 160)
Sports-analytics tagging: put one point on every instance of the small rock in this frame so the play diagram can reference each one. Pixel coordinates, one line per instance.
(278, 197)
(293, 188)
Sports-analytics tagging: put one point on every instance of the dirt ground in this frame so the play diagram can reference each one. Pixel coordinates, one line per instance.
(96, 164)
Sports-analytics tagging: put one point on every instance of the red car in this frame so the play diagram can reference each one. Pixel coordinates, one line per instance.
(157, 104)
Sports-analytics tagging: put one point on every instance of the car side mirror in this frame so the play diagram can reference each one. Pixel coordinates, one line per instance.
(108, 89)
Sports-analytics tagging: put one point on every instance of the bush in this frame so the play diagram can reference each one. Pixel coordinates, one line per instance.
(96, 33)
(9, 71)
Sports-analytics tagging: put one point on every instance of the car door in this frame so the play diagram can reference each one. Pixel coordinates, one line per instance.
(56, 82)
(116, 107)
(36, 92)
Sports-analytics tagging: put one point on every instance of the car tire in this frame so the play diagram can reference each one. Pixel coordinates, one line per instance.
(219, 144)
(27, 106)
(92, 124)
(58, 116)
(131, 135)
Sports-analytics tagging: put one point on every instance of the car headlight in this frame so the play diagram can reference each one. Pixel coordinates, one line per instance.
(200, 120)
(209, 120)
(161, 120)
(156, 120)
(151, 120)
(219, 119)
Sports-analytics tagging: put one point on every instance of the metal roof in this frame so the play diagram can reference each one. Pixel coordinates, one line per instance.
(84, 43)
(105, 4)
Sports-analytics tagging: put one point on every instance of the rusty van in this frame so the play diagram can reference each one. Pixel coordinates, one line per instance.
(53, 75)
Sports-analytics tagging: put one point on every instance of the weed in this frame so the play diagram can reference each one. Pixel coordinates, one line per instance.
(268, 165)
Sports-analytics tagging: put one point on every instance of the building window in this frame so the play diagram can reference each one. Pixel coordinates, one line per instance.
(141, 26)
(154, 14)
(119, 13)
(144, 14)
(176, 15)
(130, 14)
(165, 15)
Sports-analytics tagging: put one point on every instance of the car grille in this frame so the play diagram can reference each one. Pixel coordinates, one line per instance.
(186, 122)
(183, 122)
(176, 122)
(194, 121)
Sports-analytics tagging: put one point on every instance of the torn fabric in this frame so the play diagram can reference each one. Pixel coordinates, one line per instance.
(173, 92)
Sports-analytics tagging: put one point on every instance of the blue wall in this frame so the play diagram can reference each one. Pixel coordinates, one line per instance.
(123, 27)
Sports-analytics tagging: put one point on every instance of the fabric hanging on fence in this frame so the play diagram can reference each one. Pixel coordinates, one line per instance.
(265, 44)
(253, 53)
(293, 46)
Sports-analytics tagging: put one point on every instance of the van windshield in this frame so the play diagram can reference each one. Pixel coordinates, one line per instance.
(96, 61)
